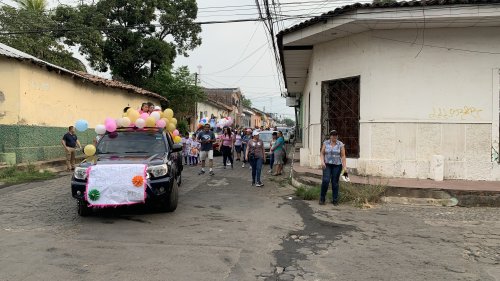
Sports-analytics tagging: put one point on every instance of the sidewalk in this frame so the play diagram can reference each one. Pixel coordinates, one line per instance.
(468, 193)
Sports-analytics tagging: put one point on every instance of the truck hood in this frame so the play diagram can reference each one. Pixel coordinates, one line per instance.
(156, 159)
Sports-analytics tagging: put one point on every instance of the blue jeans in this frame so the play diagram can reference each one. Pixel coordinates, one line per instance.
(331, 173)
(256, 169)
(244, 151)
(271, 160)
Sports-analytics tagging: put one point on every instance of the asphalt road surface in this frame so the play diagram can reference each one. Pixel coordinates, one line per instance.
(224, 229)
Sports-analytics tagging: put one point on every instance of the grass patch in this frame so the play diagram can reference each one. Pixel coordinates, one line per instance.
(358, 195)
(15, 175)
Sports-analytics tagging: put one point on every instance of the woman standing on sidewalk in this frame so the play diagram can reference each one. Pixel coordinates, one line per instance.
(255, 154)
(333, 159)
(278, 150)
(271, 154)
(227, 146)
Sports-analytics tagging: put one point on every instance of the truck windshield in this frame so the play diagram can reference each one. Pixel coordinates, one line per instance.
(132, 142)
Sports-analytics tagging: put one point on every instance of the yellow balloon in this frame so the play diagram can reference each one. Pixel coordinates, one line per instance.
(89, 150)
(173, 121)
(161, 114)
(177, 139)
(169, 113)
(133, 115)
(150, 122)
(171, 127)
(166, 121)
(124, 115)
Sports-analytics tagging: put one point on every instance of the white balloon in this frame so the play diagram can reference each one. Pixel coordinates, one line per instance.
(100, 129)
(156, 115)
(140, 123)
(125, 122)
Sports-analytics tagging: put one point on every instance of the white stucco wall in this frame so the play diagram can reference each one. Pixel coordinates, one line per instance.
(415, 102)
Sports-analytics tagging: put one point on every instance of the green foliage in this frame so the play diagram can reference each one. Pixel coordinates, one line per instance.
(37, 6)
(246, 102)
(134, 38)
(179, 88)
(44, 46)
(15, 175)
(384, 1)
(355, 194)
(183, 127)
(289, 122)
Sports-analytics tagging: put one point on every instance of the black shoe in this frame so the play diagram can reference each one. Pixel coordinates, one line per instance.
(322, 202)
(201, 172)
(211, 173)
(224, 167)
(335, 203)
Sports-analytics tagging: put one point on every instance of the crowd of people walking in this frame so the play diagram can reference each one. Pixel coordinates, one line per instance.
(243, 146)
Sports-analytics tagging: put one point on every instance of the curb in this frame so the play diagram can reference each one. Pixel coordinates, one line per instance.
(418, 196)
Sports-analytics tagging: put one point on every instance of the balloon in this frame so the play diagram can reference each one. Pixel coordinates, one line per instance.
(166, 121)
(109, 120)
(144, 116)
(156, 115)
(111, 126)
(161, 123)
(212, 123)
(89, 150)
(132, 114)
(177, 139)
(170, 127)
(200, 125)
(229, 118)
(81, 125)
(100, 129)
(176, 132)
(125, 122)
(150, 122)
(140, 123)
(173, 120)
(169, 113)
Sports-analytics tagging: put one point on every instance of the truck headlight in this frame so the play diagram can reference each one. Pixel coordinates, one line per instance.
(80, 173)
(158, 171)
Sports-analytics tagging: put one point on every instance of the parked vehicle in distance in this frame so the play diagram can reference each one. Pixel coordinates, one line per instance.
(149, 146)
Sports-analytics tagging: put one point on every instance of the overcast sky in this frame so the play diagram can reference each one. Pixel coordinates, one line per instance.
(239, 54)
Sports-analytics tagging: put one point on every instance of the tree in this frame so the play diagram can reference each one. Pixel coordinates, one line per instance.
(289, 122)
(130, 37)
(21, 23)
(246, 102)
(179, 88)
(37, 6)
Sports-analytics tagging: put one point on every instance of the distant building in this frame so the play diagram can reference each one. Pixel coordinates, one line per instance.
(211, 109)
(229, 96)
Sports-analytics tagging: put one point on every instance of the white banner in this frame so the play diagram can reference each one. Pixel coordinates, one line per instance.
(114, 185)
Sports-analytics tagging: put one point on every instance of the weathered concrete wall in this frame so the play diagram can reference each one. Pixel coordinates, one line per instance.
(9, 91)
(443, 101)
(36, 143)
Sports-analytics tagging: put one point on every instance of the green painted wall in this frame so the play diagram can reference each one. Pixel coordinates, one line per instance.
(37, 143)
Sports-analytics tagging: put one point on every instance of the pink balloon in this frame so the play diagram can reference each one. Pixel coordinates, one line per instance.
(144, 116)
(161, 124)
(109, 120)
(176, 132)
(110, 126)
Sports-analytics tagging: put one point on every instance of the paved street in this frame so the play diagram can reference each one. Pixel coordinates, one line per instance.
(224, 229)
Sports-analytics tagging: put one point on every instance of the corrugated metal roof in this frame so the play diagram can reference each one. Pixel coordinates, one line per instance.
(10, 52)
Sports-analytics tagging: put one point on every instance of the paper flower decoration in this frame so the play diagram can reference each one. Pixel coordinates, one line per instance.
(94, 195)
(138, 181)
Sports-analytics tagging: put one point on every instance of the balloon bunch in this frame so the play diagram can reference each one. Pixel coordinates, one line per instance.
(132, 118)
(225, 122)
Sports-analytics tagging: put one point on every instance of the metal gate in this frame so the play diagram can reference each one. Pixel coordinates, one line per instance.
(340, 101)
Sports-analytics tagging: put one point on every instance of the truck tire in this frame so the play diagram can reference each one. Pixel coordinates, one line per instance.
(83, 209)
(170, 203)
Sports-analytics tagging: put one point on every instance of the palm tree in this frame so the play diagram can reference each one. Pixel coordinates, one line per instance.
(38, 6)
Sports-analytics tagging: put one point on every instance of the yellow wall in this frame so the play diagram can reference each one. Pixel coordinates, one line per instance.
(51, 99)
(9, 91)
